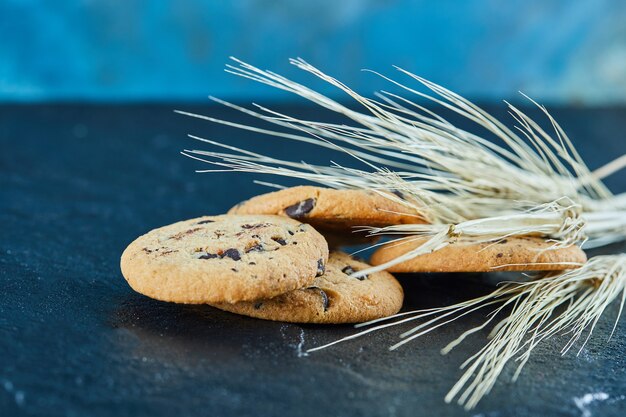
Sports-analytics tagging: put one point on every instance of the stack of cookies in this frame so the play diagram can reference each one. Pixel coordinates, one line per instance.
(269, 258)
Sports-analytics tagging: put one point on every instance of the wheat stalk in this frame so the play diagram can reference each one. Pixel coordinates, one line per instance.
(570, 303)
(558, 219)
(451, 175)
(523, 181)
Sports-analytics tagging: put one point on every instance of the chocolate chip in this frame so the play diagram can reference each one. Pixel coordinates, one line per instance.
(279, 240)
(321, 268)
(206, 221)
(348, 270)
(257, 247)
(290, 232)
(325, 301)
(146, 250)
(254, 226)
(232, 254)
(300, 209)
(180, 235)
(499, 255)
(258, 306)
(234, 269)
(251, 263)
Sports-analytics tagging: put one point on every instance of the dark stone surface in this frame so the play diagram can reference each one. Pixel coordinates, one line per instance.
(78, 183)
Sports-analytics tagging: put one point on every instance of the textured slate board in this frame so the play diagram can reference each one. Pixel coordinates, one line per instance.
(78, 183)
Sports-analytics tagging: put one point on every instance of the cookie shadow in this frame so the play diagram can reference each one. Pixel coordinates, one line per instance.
(188, 334)
(422, 291)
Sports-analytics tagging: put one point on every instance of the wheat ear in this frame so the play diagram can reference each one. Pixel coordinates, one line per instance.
(527, 314)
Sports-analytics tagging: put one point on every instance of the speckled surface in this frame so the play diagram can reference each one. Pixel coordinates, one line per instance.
(78, 183)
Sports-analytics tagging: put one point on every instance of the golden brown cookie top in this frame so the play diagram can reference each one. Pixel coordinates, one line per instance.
(335, 297)
(225, 258)
(330, 208)
(512, 254)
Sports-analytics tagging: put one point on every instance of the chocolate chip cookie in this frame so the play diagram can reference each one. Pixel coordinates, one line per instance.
(227, 258)
(512, 254)
(330, 210)
(335, 297)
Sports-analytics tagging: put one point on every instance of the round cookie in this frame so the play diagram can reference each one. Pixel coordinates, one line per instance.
(335, 297)
(512, 254)
(330, 209)
(225, 258)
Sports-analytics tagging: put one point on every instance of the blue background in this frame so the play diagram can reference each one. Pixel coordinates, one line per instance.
(556, 51)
